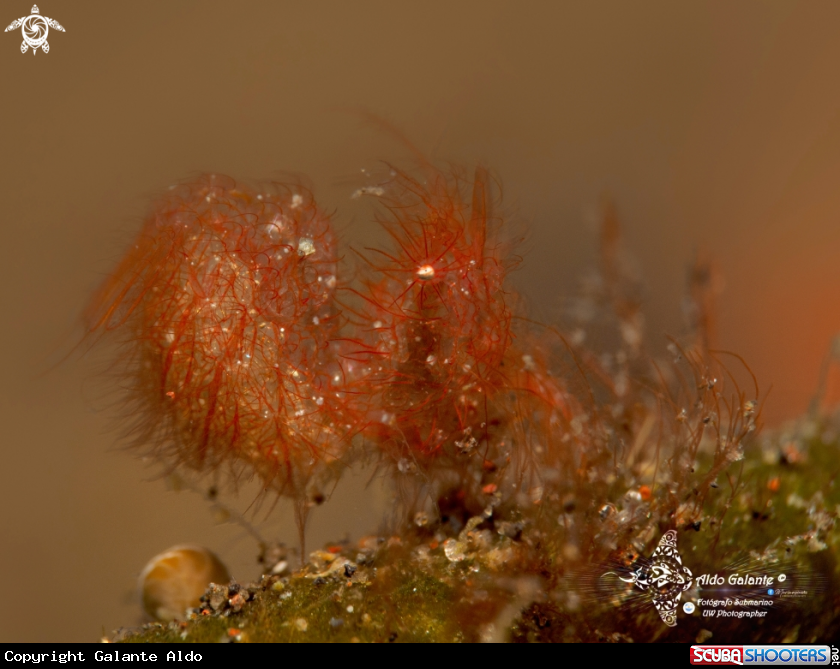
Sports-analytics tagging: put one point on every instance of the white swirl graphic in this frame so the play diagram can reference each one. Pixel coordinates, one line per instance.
(35, 29)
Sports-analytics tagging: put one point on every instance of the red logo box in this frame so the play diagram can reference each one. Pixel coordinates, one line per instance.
(717, 655)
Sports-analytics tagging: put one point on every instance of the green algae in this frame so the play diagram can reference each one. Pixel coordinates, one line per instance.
(775, 511)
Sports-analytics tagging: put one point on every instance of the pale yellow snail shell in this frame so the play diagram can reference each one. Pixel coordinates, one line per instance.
(174, 580)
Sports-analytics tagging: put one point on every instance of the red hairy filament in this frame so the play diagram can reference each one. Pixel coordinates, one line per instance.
(228, 298)
(240, 359)
(437, 314)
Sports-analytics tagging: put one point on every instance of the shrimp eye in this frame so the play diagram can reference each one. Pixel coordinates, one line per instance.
(425, 272)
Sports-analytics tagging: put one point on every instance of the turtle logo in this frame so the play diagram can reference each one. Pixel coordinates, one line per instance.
(35, 29)
(664, 576)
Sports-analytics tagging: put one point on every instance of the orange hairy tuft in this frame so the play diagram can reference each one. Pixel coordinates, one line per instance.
(227, 299)
(436, 316)
(454, 400)
(571, 445)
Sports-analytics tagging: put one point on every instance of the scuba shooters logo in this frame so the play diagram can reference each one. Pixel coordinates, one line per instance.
(664, 577)
(788, 654)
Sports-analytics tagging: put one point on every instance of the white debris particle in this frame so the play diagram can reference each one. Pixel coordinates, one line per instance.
(455, 550)
(376, 191)
(274, 230)
(405, 466)
(306, 247)
(297, 200)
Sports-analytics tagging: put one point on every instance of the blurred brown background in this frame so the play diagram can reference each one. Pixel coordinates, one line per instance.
(714, 125)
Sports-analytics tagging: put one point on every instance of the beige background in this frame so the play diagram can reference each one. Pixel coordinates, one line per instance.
(713, 124)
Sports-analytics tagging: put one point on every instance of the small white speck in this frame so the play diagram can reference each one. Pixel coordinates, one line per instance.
(306, 247)
(375, 191)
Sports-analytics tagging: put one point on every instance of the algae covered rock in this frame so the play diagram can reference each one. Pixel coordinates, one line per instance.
(773, 529)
